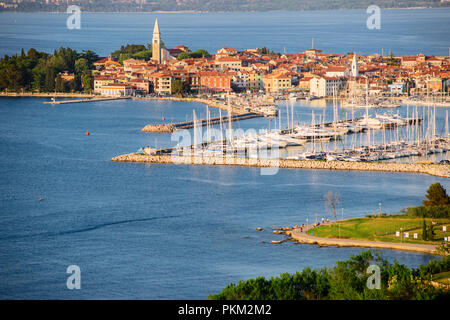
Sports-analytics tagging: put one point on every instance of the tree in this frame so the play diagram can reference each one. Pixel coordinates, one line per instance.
(81, 66)
(430, 233)
(180, 87)
(332, 200)
(424, 231)
(436, 195)
(60, 85)
(86, 81)
(90, 56)
(49, 82)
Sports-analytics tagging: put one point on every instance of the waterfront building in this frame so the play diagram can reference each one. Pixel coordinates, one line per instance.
(276, 82)
(117, 90)
(325, 86)
(214, 80)
(396, 87)
(434, 84)
(100, 81)
(162, 82)
(255, 80)
(141, 86)
(241, 80)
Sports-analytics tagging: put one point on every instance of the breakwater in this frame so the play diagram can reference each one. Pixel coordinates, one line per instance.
(86, 100)
(170, 127)
(439, 170)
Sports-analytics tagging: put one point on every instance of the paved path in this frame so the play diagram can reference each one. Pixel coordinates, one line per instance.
(303, 237)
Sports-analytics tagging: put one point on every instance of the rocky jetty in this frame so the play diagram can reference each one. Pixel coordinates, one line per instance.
(439, 170)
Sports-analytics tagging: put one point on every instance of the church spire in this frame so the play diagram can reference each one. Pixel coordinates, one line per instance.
(156, 28)
(156, 44)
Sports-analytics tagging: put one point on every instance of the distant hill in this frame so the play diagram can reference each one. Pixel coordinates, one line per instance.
(211, 5)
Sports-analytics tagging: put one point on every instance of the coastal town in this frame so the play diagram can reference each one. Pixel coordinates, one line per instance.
(311, 73)
(224, 153)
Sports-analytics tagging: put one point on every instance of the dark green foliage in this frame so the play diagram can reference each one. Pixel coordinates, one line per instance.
(437, 204)
(200, 53)
(429, 212)
(39, 71)
(347, 280)
(136, 51)
(180, 87)
(437, 196)
(424, 231)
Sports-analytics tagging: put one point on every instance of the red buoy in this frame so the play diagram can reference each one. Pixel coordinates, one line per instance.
(88, 133)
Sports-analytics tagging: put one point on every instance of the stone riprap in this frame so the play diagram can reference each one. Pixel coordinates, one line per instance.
(439, 170)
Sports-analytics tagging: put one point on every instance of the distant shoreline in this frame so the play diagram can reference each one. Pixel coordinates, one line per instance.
(200, 11)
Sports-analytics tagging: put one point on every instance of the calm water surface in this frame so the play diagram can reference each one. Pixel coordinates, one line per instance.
(404, 32)
(155, 231)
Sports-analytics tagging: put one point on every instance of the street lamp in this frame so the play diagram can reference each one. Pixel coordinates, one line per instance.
(379, 208)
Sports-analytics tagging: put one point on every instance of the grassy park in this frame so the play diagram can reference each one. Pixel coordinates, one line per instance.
(384, 228)
(427, 224)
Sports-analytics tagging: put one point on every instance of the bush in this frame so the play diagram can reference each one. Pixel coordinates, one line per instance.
(347, 280)
(429, 212)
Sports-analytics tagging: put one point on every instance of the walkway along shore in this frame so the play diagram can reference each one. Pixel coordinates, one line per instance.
(439, 170)
(46, 94)
(301, 236)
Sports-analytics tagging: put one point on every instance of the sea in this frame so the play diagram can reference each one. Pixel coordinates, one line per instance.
(156, 231)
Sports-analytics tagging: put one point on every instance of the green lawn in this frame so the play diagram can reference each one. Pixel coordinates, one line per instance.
(443, 277)
(382, 229)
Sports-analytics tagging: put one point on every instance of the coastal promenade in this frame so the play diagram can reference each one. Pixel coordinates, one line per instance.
(301, 236)
(439, 170)
(46, 95)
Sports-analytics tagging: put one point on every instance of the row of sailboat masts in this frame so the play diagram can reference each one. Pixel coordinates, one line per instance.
(196, 133)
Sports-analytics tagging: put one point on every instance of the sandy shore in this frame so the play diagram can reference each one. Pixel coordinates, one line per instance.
(439, 170)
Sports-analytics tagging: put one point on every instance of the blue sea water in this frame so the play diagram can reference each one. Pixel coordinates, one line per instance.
(173, 231)
(404, 32)
(155, 231)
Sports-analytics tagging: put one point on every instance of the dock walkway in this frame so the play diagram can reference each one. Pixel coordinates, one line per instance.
(86, 100)
(170, 127)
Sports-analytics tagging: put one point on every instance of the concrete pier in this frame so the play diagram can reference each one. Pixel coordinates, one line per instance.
(170, 127)
(95, 99)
